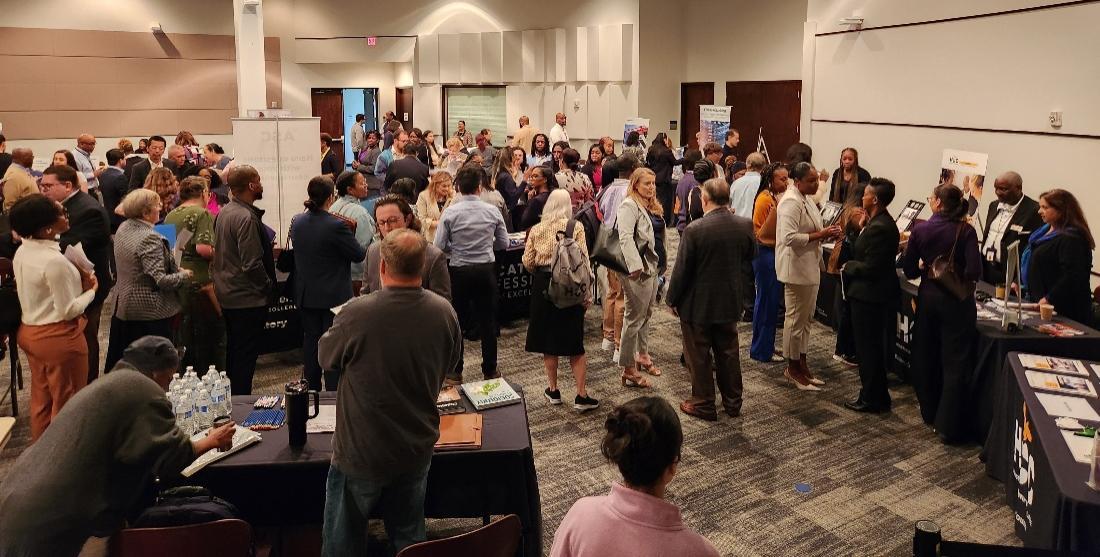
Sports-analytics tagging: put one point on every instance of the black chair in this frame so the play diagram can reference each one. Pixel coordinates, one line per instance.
(499, 539)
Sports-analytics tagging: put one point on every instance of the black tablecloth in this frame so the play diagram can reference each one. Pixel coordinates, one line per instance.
(1044, 485)
(275, 485)
(283, 326)
(513, 284)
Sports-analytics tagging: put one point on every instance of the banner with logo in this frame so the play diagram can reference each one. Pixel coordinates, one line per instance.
(966, 171)
(714, 122)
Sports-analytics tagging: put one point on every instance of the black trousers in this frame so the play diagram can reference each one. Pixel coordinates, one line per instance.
(123, 332)
(873, 335)
(244, 330)
(845, 338)
(666, 194)
(699, 342)
(91, 334)
(943, 358)
(474, 297)
(314, 324)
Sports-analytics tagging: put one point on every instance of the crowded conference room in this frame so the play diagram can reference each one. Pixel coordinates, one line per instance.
(584, 279)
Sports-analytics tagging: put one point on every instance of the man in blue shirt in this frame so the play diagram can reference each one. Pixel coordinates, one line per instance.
(382, 166)
(468, 232)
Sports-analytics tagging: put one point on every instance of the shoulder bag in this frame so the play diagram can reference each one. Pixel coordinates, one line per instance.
(943, 272)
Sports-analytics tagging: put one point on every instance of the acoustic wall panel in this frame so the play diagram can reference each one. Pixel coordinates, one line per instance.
(553, 102)
(491, 62)
(592, 51)
(616, 52)
(469, 54)
(576, 39)
(427, 59)
(450, 70)
(511, 52)
(619, 99)
(599, 109)
(525, 100)
(534, 56)
(576, 109)
(555, 56)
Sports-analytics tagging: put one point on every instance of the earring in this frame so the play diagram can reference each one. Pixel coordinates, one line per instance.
(49, 231)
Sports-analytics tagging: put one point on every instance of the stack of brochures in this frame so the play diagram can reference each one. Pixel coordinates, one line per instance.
(1059, 375)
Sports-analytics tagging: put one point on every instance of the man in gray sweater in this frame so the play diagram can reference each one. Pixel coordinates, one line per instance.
(87, 472)
(393, 347)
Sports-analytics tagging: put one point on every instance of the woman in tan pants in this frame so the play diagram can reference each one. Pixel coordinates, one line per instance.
(53, 295)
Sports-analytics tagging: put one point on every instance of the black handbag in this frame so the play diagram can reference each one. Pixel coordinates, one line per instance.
(607, 251)
(943, 273)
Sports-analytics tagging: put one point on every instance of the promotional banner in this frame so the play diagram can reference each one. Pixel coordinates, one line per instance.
(714, 122)
(966, 171)
(640, 125)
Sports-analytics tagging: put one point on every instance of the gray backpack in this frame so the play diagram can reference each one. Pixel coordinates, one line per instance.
(570, 272)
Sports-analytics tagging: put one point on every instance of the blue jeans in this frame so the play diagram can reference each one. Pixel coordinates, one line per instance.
(349, 502)
(765, 313)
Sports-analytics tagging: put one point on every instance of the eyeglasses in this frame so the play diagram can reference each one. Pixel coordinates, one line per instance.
(392, 221)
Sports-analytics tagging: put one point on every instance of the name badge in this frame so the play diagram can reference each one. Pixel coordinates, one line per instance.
(1016, 228)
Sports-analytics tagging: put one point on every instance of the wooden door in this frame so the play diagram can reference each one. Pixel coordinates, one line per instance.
(328, 105)
(775, 106)
(692, 95)
(404, 108)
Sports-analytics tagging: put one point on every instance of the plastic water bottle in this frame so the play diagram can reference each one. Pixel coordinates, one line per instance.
(204, 414)
(227, 388)
(217, 394)
(187, 404)
(174, 385)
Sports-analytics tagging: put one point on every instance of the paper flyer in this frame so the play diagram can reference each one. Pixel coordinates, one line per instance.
(75, 254)
(714, 122)
(966, 171)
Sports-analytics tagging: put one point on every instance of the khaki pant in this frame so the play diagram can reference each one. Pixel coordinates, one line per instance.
(58, 358)
(640, 295)
(801, 299)
(613, 308)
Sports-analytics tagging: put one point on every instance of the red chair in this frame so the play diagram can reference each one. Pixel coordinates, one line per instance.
(222, 538)
(498, 539)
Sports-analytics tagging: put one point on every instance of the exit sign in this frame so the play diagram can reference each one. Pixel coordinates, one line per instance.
(372, 41)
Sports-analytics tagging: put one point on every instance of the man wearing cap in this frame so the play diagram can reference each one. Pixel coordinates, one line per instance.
(90, 468)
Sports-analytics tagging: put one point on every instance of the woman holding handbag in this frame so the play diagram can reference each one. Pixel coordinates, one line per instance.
(769, 291)
(944, 252)
(639, 284)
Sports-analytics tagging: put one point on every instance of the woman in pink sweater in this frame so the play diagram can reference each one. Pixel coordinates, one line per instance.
(643, 439)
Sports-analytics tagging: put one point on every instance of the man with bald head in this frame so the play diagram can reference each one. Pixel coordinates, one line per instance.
(525, 134)
(558, 133)
(85, 144)
(18, 180)
(1014, 216)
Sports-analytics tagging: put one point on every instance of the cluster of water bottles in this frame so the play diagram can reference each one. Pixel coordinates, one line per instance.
(197, 402)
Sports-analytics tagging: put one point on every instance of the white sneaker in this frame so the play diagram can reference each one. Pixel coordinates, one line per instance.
(615, 358)
(607, 345)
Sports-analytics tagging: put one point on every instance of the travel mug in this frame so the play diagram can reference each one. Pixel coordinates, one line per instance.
(297, 410)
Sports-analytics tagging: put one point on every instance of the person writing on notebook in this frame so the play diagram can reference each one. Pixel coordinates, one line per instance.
(120, 427)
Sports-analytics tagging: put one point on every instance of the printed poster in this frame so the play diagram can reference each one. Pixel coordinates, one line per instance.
(966, 171)
(714, 122)
(641, 125)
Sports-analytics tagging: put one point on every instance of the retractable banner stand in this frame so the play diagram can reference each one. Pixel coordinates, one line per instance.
(714, 122)
(640, 125)
(966, 171)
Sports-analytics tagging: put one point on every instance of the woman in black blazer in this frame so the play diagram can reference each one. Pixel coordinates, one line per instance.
(848, 175)
(871, 288)
(1058, 258)
(944, 335)
(660, 160)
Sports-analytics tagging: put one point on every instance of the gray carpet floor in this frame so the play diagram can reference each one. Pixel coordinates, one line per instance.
(870, 477)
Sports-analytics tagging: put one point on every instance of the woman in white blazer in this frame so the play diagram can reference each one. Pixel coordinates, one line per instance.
(799, 233)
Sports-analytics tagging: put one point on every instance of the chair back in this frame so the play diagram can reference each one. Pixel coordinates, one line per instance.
(497, 539)
(229, 538)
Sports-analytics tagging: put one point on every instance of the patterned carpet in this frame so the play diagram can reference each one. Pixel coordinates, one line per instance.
(871, 477)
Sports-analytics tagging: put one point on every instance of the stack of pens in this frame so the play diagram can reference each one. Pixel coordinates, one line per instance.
(266, 415)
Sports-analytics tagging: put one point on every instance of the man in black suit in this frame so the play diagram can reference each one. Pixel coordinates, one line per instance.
(705, 292)
(1013, 217)
(156, 160)
(90, 227)
(113, 185)
(407, 167)
(872, 290)
(329, 165)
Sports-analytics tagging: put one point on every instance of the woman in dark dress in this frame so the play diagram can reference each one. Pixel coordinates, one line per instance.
(943, 338)
(848, 176)
(1058, 258)
(539, 185)
(661, 160)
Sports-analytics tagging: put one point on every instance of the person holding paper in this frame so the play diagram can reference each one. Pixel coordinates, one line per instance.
(57, 495)
(147, 300)
(90, 228)
(53, 294)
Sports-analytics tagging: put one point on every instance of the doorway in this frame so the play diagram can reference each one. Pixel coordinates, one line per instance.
(404, 107)
(358, 101)
(772, 106)
(692, 95)
(337, 109)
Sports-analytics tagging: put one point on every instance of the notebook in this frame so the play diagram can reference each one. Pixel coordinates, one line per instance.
(459, 432)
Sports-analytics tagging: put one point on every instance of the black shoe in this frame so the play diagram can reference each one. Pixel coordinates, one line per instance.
(584, 403)
(494, 375)
(858, 405)
(553, 396)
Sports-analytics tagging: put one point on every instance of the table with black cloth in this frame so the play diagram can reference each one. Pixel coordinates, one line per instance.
(1045, 487)
(513, 283)
(275, 485)
(283, 325)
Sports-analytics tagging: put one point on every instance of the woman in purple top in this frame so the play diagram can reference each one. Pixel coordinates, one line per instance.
(643, 439)
(684, 187)
(943, 338)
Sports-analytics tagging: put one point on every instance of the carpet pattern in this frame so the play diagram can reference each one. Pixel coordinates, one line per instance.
(870, 477)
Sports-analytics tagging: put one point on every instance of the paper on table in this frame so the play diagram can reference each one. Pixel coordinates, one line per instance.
(75, 254)
(1079, 447)
(325, 422)
(1068, 406)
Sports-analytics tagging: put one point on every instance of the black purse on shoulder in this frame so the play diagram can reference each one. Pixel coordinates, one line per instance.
(943, 272)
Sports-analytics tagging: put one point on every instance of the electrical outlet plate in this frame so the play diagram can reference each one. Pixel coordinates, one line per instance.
(1056, 119)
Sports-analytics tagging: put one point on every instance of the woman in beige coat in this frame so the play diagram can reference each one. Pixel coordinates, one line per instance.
(430, 204)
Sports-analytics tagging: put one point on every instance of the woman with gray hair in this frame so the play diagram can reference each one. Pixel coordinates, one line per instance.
(146, 297)
(555, 331)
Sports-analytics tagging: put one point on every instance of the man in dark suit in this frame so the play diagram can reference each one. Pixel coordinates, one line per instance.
(89, 226)
(113, 185)
(330, 166)
(156, 160)
(872, 290)
(1013, 217)
(705, 292)
(407, 167)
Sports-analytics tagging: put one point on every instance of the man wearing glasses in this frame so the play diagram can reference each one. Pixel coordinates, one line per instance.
(392, 212)
(89, 226)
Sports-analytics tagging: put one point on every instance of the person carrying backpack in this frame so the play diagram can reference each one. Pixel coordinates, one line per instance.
(556, 255)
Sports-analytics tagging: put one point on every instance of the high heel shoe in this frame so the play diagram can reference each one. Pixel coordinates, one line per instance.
(807, 386)
(809, 374)
(650, 368)
(634, 380)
